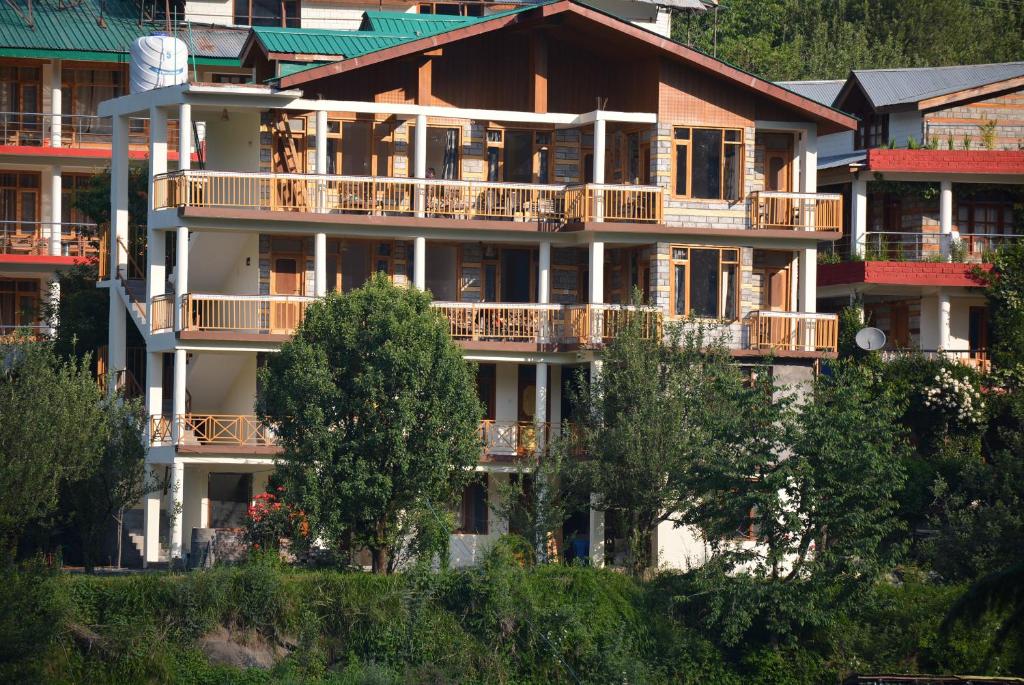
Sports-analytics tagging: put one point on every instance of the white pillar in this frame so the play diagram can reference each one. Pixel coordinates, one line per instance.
(321, 142)
(177, 513)
(858, 216)
(808, 275)
(180, 277)
(596, 551)
(184, 136)
(946, 215)
(56, 210)
(320, 264)
(544, 273)
(151, 528)
(596, 255)
(156, 269)
(55, 102)
(154, 384)
(600, 128)
(53, 293)
(116, 354)
(421, 162)
(540, 409)
(419, 262)
(179, 393)
(118, 199)
(809, 160)
(157, 145)
(942, 299)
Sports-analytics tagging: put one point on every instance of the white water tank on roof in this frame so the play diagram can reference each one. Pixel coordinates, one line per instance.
(157, 61)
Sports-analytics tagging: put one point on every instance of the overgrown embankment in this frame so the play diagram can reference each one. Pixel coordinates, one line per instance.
(498, 624)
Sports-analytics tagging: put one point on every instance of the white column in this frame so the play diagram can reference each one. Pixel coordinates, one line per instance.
(53, 293)
(544, 273)
(118, 199)
(420, 145)
(946, 216)
(596, 255)
(177, 513)
(321, 142)
(320, 264)
(858, 216)
(540, 409)
(600, 128)
(809, 160)
(116, 353)
(184, 136)
(157, 143)
(156, 269)
(180, 276)
(596, 534)
(55, 103)
(151, 528)
(154, 384)
(809, 280)
(419, 262)
(942, 299)
(56, 210)
(179, 393)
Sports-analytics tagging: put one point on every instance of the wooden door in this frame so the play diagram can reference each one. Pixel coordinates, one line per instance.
(286, 279)
(775, 297)
(779, 177)
(978, 328)
(899, 325)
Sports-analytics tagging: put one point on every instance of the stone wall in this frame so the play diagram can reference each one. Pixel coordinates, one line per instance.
(966, 120)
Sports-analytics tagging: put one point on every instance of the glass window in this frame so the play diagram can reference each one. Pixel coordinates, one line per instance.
(473, 511)
(708, 163)
(705, 282)
(442, 152)
(355, 148)
(518, 157)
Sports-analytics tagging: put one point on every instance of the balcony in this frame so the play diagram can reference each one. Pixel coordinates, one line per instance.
(974, 359)
(32, 238)
(542, 324)
(378, 196)
(892, 246)
(796, 211)
(78, 131)
(773, 332)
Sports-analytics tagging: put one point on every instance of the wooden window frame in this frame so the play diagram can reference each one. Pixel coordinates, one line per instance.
(12, 286)
(673, 262)
(297, 21)
(464, 507)
(19, 191)
(688, 144)
(971, 206)
(872, 131)
(387, 135)
(410, 148)
(536, 147)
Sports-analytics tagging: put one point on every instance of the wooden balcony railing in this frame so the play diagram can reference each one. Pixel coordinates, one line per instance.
(33, 238)
(977, 359)
(379, 196)
(278, 314)
(162, 311)
(39, 129)
(197, 430)
(796, 211)
(514, 438)
(583, 324)
(615, 203)
(792, 331)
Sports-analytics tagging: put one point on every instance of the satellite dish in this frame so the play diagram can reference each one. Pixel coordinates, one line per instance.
(870, 339)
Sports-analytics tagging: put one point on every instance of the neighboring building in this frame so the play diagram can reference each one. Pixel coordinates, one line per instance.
(529, 168)
(56, 65)
(933, 180)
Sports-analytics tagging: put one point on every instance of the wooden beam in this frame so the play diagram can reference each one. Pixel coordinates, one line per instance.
(539, 71)
(424, 86)
(971, 93)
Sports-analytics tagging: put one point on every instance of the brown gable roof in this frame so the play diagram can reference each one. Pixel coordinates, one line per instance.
(832, 119)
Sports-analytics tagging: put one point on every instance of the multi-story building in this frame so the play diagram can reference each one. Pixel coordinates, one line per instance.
(933, 180)
(530, 169)
(57, 63)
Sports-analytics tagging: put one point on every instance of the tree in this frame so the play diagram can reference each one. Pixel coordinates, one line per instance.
(377, 415)
(116, 482)
(813, 483)
(1004, 289)
(51, 419)
(658, 407)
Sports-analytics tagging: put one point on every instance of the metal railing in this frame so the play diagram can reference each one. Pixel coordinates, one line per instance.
(380, 196)
(33, 238)
(907, 246)
(796, 211)
(792, 331)
(976, 359)
(37, 129)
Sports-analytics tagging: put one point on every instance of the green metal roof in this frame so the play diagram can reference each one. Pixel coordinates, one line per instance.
(324, 41)
(408, 24)
(289, 68)
(101, 30)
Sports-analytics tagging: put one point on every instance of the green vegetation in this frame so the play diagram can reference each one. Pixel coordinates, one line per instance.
(825, 39)
(499, 623)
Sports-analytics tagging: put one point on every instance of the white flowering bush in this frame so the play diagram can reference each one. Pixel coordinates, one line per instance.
(958, 398)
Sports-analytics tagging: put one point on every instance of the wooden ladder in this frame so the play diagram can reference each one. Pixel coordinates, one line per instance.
(292, 193)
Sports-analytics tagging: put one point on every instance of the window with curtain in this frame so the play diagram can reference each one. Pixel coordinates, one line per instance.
(705, 282)
(82, 91)
(442, 152)
(708, 163)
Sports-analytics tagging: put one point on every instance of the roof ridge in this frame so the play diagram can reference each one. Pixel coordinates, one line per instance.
(945, 66)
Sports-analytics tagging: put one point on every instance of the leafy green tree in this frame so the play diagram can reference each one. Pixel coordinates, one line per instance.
(1005, 293)
(51, 432)
(116, 482)
(659, 407)
(798, 510)
(377, 414)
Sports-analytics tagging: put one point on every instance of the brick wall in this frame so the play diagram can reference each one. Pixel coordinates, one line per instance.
(966, 120)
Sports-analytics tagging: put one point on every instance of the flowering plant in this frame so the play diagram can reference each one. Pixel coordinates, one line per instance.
(957, 398)
(269, 520)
